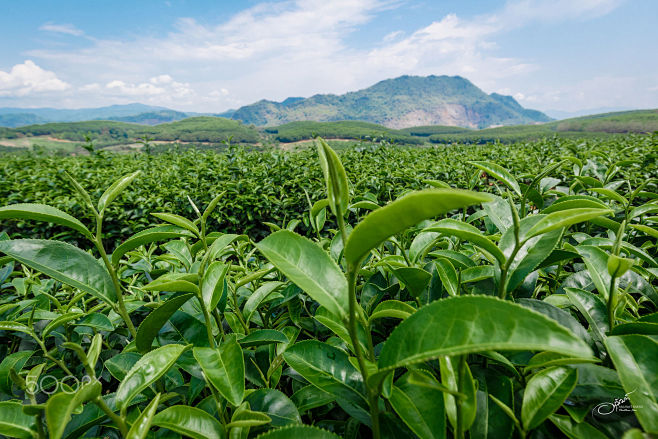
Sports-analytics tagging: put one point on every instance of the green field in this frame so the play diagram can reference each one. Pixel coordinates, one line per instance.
(214, 131)
(387, 289)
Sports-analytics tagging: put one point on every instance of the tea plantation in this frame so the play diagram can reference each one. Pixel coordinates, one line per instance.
(445, 291)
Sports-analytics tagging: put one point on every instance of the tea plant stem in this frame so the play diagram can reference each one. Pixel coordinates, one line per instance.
(117, 286)
(120, 423)
(206, 317)
(461, 371)
(98, 242)
(404, 253)
(352, 329)
(218, 320)
(502, 287)
(236, 308)
(39, 423)
(611, 303)
(46, 354)
(372, 396)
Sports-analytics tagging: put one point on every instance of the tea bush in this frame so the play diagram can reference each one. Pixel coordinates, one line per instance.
(447, 292)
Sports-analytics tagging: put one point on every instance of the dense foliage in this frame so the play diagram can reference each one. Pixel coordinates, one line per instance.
(193, 129)
(210, 131)
(521, 305)
(295, 131)
(272, 186)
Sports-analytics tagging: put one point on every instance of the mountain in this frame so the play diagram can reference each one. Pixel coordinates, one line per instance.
(399, 103)
(395, 103)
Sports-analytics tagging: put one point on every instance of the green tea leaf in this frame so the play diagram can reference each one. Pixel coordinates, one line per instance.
(276, 405)
(575, 430)
(115, 189)
(617, 266)
(146, 371)
(211, 206)
(65, 263)
(532, 252)
(14, 361)
(262, 293)
(190, 421)
(492, 420)
(213, 284)
(564, 218)
(154, 234)
(59, 321)
(224, 369)
(179, 221)
(461, 383)
(609, 193)
(545, 393)
(309, 267)
(403, 213)
(462, 325)
(15, 423)
(244, 418)
(142, 425)
(43, 212)
(392, 308)
(335, 178)
(177, 285)
(499, 173)
(634, 357)
(153, 322)
(61, 405)
(420, 407)
(596, 261)
(298, 431)
(327, 368)
(448, 276)
(469, 233)
(262, 337)
(414, 279)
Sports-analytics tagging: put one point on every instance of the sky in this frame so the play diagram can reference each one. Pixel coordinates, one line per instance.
(211, 56)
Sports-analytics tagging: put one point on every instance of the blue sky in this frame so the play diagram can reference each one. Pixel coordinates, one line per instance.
(567, 55)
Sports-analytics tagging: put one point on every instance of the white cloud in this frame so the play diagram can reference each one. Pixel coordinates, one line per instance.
(68, 29)
(90, 87)
(161, 85)
(28, 78)
(301, 47)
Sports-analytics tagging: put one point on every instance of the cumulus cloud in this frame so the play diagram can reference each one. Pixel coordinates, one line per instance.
(28, 78)
(301, 47)
(68, 29)
(161, 85)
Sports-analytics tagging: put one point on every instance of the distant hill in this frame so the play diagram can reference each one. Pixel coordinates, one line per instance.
(83, 114)
(399, 103)
(202, 129)
(13, 120)
(598, 125)
(152, 117)
(560, 114)
(215, 130)
(134, 113)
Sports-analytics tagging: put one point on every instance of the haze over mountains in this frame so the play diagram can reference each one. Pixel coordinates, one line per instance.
(402, 102)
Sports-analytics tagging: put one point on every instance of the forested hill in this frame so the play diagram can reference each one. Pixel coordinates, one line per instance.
(400, 103)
